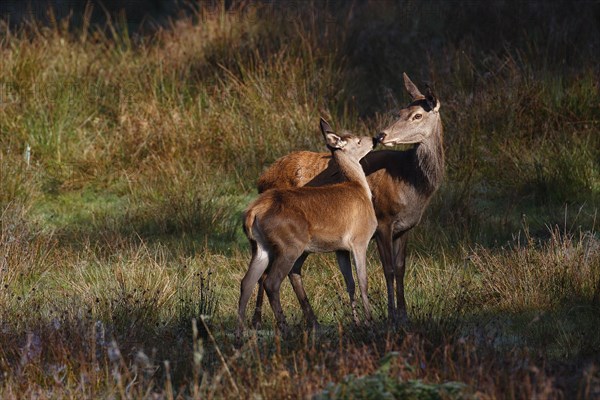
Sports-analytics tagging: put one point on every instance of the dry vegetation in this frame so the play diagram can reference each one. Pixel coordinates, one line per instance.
(120, 226)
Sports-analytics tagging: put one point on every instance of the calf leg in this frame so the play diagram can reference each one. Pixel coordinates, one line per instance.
(343, 259)
(296, 280)
(280, 268)
(258, 265)
(359, 254)
(257, 317)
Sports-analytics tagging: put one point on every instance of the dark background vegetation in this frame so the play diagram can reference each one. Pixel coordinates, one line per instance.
(134, 11)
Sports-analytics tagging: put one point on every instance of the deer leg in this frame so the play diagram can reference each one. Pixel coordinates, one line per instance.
(343, 259)
(257, 317)
(360, 260)
(399, 245)
(296, 280)
(258, 264)
(281, 267)
(383, 238)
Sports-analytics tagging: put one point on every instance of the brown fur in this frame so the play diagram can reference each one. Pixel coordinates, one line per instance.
(402, 183)
(294, 172)
(283, 225)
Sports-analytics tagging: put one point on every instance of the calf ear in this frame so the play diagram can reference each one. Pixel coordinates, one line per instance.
(334, 141)
(331, 139)
(325, 128)
(411, 88)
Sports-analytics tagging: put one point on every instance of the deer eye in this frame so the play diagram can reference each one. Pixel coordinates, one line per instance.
(417, 116)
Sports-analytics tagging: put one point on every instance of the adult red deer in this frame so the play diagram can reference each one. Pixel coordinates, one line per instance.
(402, 184)
(283, 225)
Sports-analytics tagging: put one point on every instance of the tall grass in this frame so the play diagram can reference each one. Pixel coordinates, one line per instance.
(121, 226)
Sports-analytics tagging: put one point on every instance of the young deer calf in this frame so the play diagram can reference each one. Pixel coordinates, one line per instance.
(283, 225)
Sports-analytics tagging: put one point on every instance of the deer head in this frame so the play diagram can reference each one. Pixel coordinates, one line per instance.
(353, 146)
(415, 123)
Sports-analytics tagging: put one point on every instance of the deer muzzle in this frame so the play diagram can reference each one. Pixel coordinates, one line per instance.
(378, 138)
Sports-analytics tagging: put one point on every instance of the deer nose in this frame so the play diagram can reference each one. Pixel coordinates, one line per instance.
(380, 136)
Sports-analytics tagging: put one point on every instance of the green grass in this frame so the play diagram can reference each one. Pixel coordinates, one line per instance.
(125, 224)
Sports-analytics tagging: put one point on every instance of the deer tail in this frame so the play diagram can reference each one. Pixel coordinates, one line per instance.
(249, 219)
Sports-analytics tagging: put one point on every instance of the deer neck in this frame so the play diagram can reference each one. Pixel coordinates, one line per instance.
(430, 159)
(352, 170)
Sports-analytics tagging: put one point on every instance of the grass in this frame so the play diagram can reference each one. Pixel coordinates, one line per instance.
(120, 232)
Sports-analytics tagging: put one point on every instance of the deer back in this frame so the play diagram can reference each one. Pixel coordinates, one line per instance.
(331, 215)
(295, 170)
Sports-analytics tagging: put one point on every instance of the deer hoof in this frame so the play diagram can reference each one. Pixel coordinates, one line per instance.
(257, 322)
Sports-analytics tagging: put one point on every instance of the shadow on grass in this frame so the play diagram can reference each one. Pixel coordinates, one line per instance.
(558, 349)
(494, 353)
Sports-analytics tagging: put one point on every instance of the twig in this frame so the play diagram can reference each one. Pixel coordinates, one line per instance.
(212, 338)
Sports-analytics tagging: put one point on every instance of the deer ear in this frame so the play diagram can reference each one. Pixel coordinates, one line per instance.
(432, 101)
(325, 128)
(411, 88)
(334, 141)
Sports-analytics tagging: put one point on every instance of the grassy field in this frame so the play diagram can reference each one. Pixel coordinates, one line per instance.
(126, 162)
